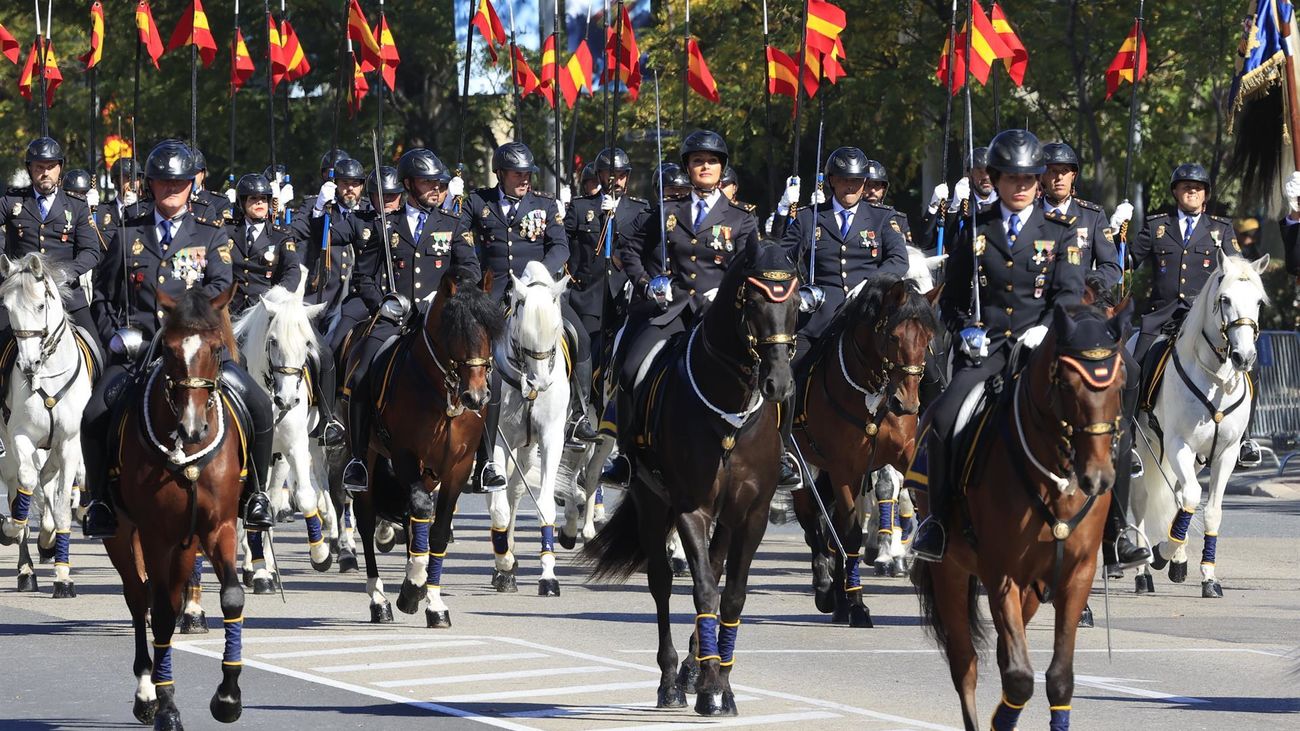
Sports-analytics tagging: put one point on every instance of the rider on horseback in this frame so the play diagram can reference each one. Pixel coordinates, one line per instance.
(164, 246)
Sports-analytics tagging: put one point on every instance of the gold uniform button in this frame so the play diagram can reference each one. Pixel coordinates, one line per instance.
(692, 257)
(160, 313)
(417, 270)
(692, 242)
(161, 279)
(417, 285)
(692, 275)
(692, 293)
(1184, 266)
(843, 262)
(844, 248)
(1010, 310)
(1182, 281)
(1006, 334)
(1010, 264)
(1010, 288)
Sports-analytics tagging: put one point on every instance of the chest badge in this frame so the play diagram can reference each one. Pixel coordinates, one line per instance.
(1041, 252)
(393, 239)
(1081, 237)
(1160, 230)
(980, 244)
(18, 208)
(671, 223)
(365, 234)
(591, 215)
(1074, 255)
(137, 247)
(1218, 239)
(108, 218)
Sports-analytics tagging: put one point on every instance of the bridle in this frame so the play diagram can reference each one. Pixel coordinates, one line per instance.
(518, 353)
(1223, 352)
(275, 369)
(50, 339)
(451, 376)
(882, 384)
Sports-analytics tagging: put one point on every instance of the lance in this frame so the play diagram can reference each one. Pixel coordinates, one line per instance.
(514, 76)
(234, 93)
(574, 174)
(323, 263)
(383, 90)
(767, 112)
(798, 94)
(42, 48)
(940, 217)
(555, 97)
(659, 149)
(821, 180)
(464, 93)
(270, 93)
(606, 76)
(92, 77)
(969, 203)
(1132, 127)
(383, 215)
(194, 95)
(618, 74)
(686, 38)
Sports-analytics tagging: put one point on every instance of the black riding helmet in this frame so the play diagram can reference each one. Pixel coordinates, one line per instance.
(252, 184)
(729, 176)
(588, 172)
(44, 149)
(349, 169)
(332, 159)
(77, 181)
(200, 162)
(125, 168)
(1191, 171)
(1059, 153)
(421, 164)
(673, 176)
(614, 159)
(705, 141)
(847, 162)
(981, 159)
(1016, 151)
(388, 178)
(513, 156)
(170, 160)
(272, 170)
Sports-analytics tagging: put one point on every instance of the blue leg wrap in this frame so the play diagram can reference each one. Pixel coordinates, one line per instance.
(433, 576)
(1005, 716)
(918, 473)
(888, 515)
(727, 642)
(706, 628)
(548, 539)
(852, 579)
(500, 542)
(196, 573)
(419, 532)
(1178, 530)
(22, 506)
(600, 494)
(61, 540)
(907, 524)
(162, 664)
(234, 641)
(1060, 718)
(255, 548)
(347, 516)
(315, 533)
(1210, 549)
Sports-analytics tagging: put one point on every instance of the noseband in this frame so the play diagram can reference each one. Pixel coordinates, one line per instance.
(451, 378)
(519, 352)
(1101, 371)
(49, 338)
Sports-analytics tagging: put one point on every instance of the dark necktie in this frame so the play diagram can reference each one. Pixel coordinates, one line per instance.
(844, 223)
(419, 225)
(1013, 227)
(167, 234)
(43, 205)
(1187, 237)
(702, 210)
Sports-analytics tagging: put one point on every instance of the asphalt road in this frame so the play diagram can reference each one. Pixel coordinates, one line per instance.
(585, 660)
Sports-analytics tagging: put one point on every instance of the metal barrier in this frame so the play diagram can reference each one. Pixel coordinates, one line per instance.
(1277, 393)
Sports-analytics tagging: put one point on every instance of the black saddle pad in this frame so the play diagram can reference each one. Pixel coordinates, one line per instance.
(1153, 372)
(647, 397)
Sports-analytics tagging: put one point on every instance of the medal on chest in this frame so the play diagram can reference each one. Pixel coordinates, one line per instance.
(1081, 237)
(722, 239)
(1042, 252)
(533, 225)
(868, 241)
(1040, 284)
(441, 243)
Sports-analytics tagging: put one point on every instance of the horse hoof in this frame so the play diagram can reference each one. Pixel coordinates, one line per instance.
(1211, 590)
(437, 620)
(168, 720)
(194, 624)
(841, 612)
(284, 516)
(687, 676)
(568, 541)
(823, 584)
(1157, 561)
(681, 569)
(1085, 618)
(64, 590)
(248, 579)
(1178, 571)
(225, 710)
(348, 562)
(46, 554)
(882, 568)
(26, 582)
(385, 546)
(263, 586)
(729, 704)
(673, 697)
(504, 581)
(144, 710)
(381, 613)
(860, 616)
(1145, 584)
(548, 587)
(712, 704)
(325, 564)
(408, 600)
(898, 568)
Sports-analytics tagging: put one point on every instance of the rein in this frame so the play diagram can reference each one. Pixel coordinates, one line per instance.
(451, 373)
(50, 342)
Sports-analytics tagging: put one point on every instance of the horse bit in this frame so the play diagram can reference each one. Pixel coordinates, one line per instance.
(451, 374)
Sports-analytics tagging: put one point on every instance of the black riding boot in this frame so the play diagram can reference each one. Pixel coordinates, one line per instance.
(356, 478)
(329, 430)
(487, 474)
(100, 521)
(257, 513)
(930, 540)
(580, 428)
(791, 477)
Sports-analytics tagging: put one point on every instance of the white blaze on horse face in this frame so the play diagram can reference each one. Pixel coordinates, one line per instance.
(192, 417)
(190, 348)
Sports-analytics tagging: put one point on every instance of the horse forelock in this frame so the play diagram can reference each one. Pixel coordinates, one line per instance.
(470, 317)
(193, 313)
(1239, 273)
(24, 290)
(291, 329)
(537, 318)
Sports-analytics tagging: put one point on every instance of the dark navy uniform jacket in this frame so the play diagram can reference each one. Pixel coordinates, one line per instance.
(445, 247)
(67, 236)
(533, 231)
(1179, 272)
(584, 224)
(1291, 246)
(199, 255)
(1019, 282)
(875, 244)
(1093, 236)
(273, 258)
(697, 257)
(332, 281)
(210, 206)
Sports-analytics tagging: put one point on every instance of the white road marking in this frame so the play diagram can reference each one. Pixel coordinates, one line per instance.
(740, 721)
(490, 677)
(504, 695)
(370, 648)
(559, 711)
(455, 660)
(1040, 651)
(1120, 685)
(331, 636)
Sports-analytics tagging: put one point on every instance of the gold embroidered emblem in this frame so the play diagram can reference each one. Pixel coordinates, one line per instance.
(1160, 230)
(671, 223)
(137, 247)
(1074, 255)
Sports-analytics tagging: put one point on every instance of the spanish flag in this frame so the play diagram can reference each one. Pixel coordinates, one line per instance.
(241, 64)
(53, 77)
(489, 26)
(91, 57)
(985, 45)
(292, 55)
(359, 31)
(698, 76)
(782, 73)
(1130, 64)
(149, 36)
(275, 53)
(192, 30)
(625, 61)
(576, 74)
(388, 53)
(525, 79)
(825, 23)
(1018, 61)
(834, 70)
(546, 84)
(359, 87)
(959, 62)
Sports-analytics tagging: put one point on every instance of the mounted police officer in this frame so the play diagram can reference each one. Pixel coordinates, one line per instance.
(329, 161)
(206, 204)
(265, 254)
(166, 246)
(1025, 261)
(126, 179)
(676, 183)
(1094, 234)
(329, 277)
(78, 183)
(42, 218)
(514, 225)
(426, 244)
(589, 184)
(976, 181)
(383, 188)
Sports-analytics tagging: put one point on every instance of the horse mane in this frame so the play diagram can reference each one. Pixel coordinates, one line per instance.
(864, 306)
(472, 317)
(538, 320)
(194, 313)
(289, 326)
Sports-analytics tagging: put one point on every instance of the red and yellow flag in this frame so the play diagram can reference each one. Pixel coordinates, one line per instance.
(698, 76)
(986, 46)
(546, 84)
(148, 31)
(388, 52)
(115, 148)
(193, 30)
(812, 72)
(359, 87)
(782, 73)
(1018, 61)
(275, 53)
(489, 26)
(92, 57)
(359, 31)
(626, 61)
(1130, 63)
(959, 62)
(241, 64)
(53, 77)
(291, 53)
(9, 46)
(825, 23)
(832, 69)
(525, 79)
(576, 74)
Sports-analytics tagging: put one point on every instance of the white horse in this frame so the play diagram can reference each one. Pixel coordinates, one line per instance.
(277, 341)
(1203, 407)
(534, 409)
(48, 390)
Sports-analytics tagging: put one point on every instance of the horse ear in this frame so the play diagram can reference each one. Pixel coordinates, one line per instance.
(165, 300)
(934, 262)
(933, 295)
(515, 282)
(1260, 264)
(221, 300)
(486, 284)
(1223, 261)
(6, 266)
(35, 264)
(1118, 324)
(1062, 324)
(314, 311)
(897, 295)
(301, 289)
(558, 288)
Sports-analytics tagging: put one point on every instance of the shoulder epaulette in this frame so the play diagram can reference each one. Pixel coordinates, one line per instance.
(1154, 216)
(1058, 217)
(741, 205)
(749, 207)
(209, 222)
(543, 194)
(1222, 219)
(1089, 205)
(642, 201)
(281, 229)
(19, 190)
(76, 196)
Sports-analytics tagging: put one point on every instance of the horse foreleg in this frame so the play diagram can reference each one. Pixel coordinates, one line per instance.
(193, 619)
(551, 450)
(278, 491)
(848, 526)
(263, 580)
(59, 509)
(501, 510)
(419, 507)
(1220, 473)
(1005, 600)
(652, 524)
(437, 615)
(124, 554)
(742, 543)
(1069, 604)
(219, 544)
(381, 610)
(693, 529)
(21, 490)
(309, 501)
(1188, 497)
(168, 570)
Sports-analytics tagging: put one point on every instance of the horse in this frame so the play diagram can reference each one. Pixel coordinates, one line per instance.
(707, 454)
(179, 457)
(1199, 417)
(429, 389)
(1037, 468)
(534, 408)
(42, 410)
(857, 411)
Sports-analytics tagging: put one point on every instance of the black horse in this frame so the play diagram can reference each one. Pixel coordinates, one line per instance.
(707, 457)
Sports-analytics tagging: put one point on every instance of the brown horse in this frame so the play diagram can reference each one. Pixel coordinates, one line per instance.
(429, 391)
(860, 397)
(180, 485)
(1036, 490)
(706, 458)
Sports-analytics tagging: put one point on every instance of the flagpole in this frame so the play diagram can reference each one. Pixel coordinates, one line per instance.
(686, 35)
(383, 85)
(1132, 130)
(1292, 96)
(194, 93)
(798, 93)
(135, 107)
(514, 77)
(618, 74)
(270, 90)
(555, 96)
(941, 215)
(604, 72)
(968, 205)
(464, 95)
(234, 93)
(43, 50)
(767, 113)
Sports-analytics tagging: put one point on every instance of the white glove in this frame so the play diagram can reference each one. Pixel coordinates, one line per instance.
(1292, 188)
(129, 198)
(559, 206)
(566, 195)
(326, 195)
(284, 194)
(231, 196)
(790, 197)
(608, 203)
(92, 198)
(1123, 214)
(819, 197)
(939, 196)
(456, 188)
(709, 295)
(1033, 337)
(767, 225)
(961, 191)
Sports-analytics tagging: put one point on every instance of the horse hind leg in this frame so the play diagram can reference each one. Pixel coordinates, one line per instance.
(194, 621)
(420, 507)
(166, 582)
(381, 610)
(309, 502)
(125, 559)
(26, 569)
(263, 580)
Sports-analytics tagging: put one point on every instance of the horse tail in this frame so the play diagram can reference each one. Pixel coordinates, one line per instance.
(616, 552)
(923, 580)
